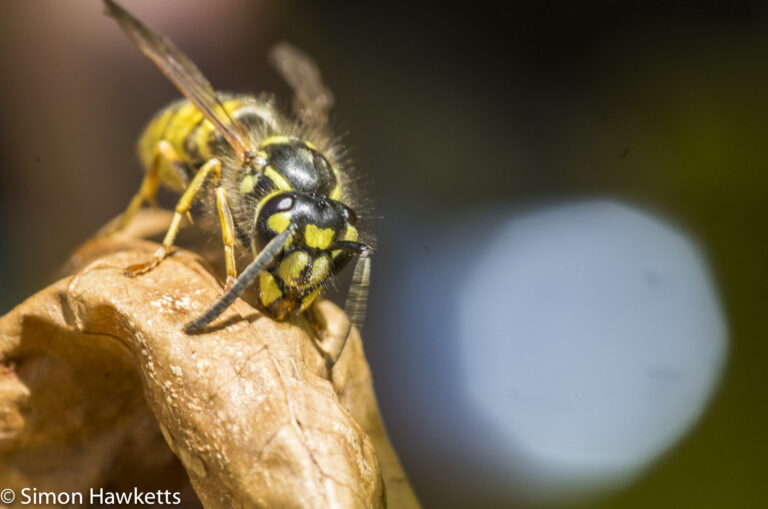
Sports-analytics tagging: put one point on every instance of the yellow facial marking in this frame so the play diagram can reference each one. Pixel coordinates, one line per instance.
(351, 233)
(310, 145)
(319, 238)
(278, 221)
(290, 268)
(269, 292)
(277, 179)
(306, 301)
(275, 140)
(320, 270)
(335, 193)
(247, 184)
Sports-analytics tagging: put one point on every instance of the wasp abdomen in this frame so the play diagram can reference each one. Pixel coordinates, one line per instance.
(194, 139)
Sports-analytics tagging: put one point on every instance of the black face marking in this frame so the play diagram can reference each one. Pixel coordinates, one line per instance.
(305, 169)
(301, 209)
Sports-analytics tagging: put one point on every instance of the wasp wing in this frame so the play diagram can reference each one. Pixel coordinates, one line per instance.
(185, 76)
(313, 99)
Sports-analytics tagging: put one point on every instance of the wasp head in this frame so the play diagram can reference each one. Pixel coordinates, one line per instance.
(324, 239)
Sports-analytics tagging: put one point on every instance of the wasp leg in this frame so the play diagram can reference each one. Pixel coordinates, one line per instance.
(356, 303)
(182, 207)
(227, 235)
(357, 298)
(164, 153)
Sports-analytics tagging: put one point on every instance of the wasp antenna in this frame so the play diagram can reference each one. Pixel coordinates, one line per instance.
(263, 260)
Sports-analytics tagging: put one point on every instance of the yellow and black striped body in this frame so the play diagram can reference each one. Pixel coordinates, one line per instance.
(291, 180)
(195, 140)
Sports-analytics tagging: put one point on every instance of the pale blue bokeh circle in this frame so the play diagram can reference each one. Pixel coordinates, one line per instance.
(590, 337)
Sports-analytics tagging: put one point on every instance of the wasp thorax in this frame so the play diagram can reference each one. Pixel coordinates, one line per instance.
(299, 164)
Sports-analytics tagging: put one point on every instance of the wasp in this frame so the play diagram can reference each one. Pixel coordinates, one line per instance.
(277, 183)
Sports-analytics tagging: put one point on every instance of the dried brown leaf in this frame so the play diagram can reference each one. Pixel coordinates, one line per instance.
(96, 375)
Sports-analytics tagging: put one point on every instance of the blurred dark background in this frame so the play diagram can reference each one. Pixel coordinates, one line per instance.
(445, 109)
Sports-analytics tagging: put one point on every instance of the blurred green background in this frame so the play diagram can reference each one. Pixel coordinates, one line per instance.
(659, 104)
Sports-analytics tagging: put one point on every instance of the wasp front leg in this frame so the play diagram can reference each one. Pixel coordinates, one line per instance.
(227, 235)
(332, 345)
(182, 208)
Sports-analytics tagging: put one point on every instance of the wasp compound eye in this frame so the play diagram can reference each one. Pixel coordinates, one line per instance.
(274, 216)
(280, 203)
